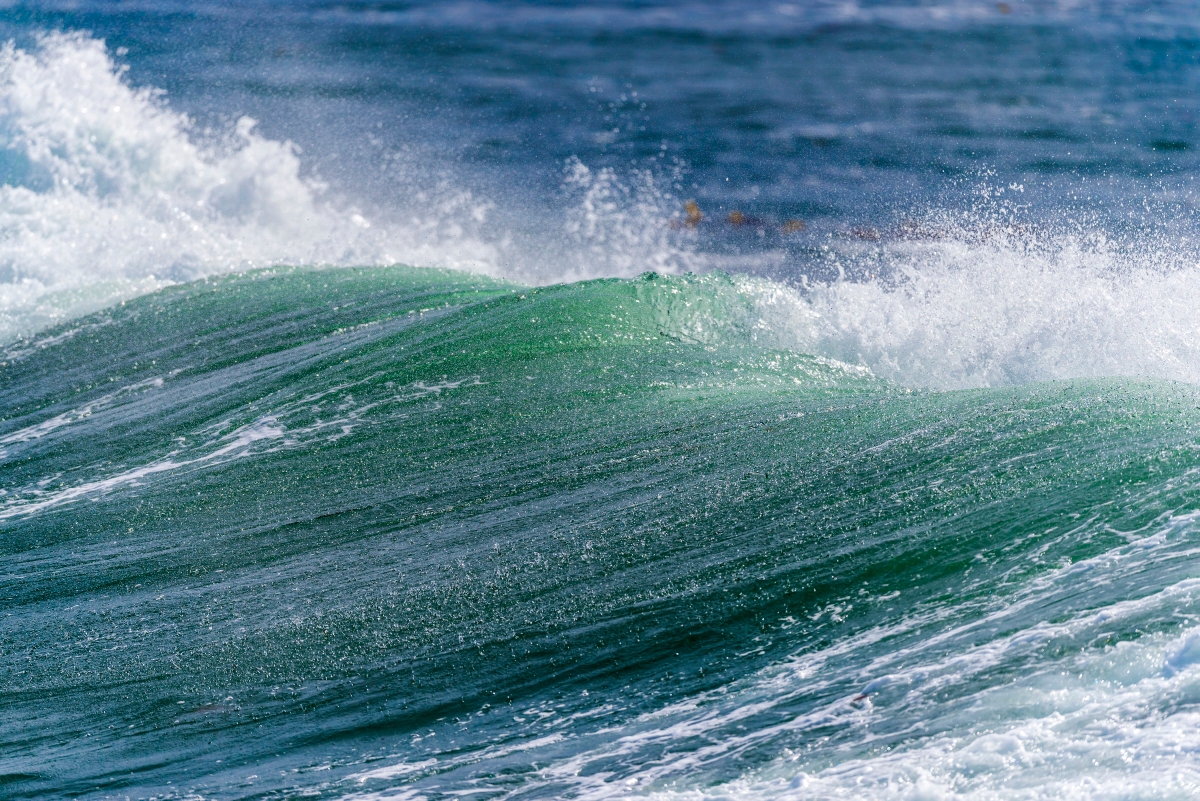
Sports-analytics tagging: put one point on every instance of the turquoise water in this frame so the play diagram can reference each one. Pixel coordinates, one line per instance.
(398, 532)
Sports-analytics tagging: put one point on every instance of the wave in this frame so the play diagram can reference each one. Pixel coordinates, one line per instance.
(376, 531)
(109, 194)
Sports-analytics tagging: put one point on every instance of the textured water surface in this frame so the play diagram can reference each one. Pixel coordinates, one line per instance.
(613, 400)
(343, 530)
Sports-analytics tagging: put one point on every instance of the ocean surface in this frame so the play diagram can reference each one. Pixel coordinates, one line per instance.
(688, 401)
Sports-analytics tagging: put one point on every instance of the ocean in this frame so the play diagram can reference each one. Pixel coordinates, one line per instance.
(612, 400)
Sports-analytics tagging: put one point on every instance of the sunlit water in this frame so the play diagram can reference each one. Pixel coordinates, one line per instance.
(474, 400)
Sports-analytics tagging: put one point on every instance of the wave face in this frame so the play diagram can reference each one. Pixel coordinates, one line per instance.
(395, 532)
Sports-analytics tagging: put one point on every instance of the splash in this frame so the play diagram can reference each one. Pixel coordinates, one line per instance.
(997, 306)
(616, 228)
(109, 193)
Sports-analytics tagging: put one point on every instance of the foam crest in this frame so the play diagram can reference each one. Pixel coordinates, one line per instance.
(108, 193)
(1005, 306)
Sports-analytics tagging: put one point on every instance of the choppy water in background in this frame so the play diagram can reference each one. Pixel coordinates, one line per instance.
(483, 400)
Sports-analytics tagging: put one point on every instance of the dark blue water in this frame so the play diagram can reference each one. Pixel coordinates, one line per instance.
(842, 116)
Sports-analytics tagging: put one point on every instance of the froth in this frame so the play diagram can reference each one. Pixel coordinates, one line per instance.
(1009, 307)
(109, 193)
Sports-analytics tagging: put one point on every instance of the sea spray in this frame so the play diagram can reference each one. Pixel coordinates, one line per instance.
(110, 193)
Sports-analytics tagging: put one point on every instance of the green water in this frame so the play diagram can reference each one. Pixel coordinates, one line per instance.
(267, 533)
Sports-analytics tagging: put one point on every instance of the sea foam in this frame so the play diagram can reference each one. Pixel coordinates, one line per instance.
(1014, 307)
(110, 193)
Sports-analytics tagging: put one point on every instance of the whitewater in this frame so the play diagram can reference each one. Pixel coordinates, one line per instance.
(592, 462)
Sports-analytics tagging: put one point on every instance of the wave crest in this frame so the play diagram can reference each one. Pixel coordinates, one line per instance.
(1002, 307)
(108, 193)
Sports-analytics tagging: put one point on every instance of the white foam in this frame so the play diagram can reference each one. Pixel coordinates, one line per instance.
(237, 444)
(109, 193)
(1007, 308)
